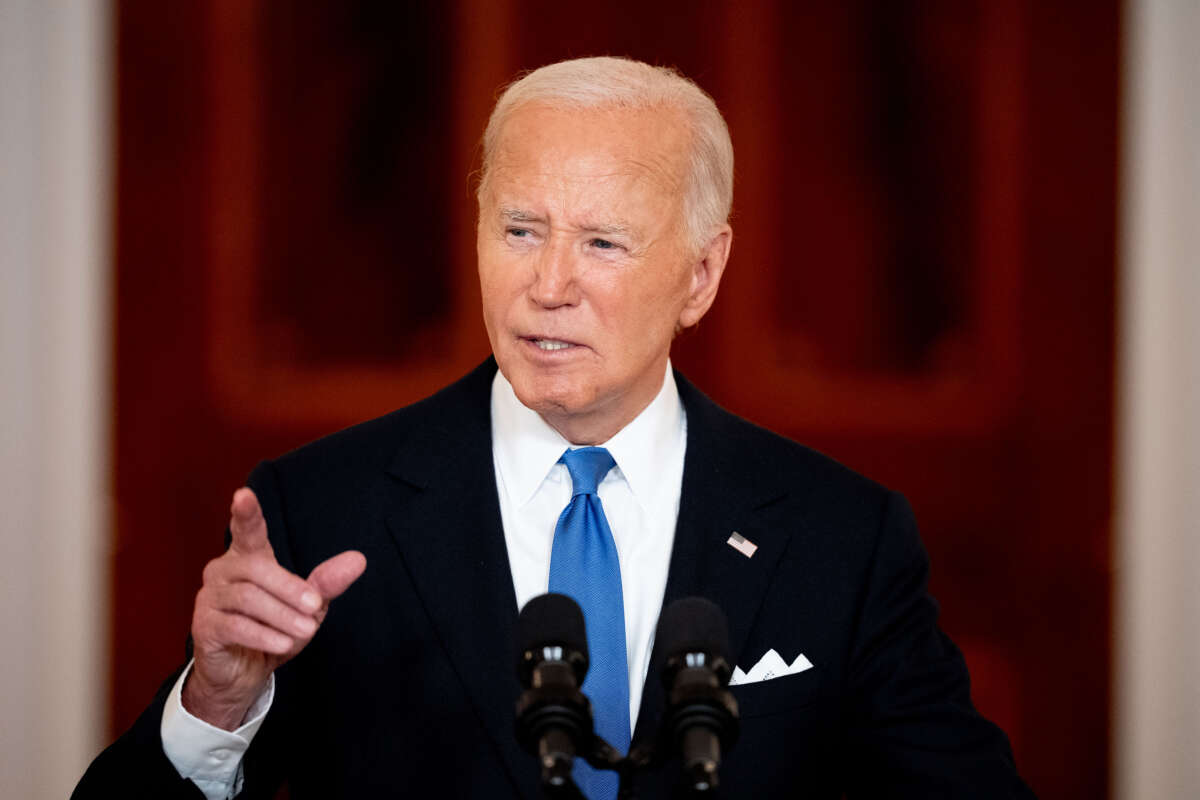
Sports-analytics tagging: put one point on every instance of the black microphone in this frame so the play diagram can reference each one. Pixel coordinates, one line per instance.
(701, 720)
(554, 718)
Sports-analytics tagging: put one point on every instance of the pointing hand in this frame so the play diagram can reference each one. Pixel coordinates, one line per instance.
(252, 615)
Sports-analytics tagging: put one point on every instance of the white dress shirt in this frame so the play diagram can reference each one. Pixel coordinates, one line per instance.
(640, 496)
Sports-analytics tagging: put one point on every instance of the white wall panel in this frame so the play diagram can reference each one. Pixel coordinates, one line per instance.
(55, 108)
(1157, 645)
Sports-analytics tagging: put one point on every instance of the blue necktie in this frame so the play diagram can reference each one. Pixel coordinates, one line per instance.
(584, 566)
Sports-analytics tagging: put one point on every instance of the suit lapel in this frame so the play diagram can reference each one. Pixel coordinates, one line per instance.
(448, 531)
(721, 493)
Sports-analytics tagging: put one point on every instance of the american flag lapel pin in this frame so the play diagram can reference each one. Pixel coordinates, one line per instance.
(741, 544)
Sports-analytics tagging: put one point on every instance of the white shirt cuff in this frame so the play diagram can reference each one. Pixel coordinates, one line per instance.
(209, 756)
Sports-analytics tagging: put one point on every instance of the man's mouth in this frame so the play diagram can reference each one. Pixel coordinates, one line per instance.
(550, 344)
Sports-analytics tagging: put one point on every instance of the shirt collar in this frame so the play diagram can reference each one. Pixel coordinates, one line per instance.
(526, 448)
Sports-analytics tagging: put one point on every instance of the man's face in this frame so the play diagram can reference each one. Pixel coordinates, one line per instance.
(583, 263)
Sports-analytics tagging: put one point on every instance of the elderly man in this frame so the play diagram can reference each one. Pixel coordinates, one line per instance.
(576, 461)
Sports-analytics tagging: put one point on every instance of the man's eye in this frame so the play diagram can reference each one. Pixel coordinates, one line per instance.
(520, 233)
(603, 244)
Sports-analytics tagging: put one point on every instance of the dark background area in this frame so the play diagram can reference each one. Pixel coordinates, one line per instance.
(922, 280)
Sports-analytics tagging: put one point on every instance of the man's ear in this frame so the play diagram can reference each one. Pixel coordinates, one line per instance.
(707, 270)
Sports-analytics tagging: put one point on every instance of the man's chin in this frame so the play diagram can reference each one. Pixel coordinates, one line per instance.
(545, 386)
(560, 396)
(574, 408)
(558, 404)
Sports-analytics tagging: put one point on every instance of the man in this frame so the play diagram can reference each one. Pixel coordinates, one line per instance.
(388, 670)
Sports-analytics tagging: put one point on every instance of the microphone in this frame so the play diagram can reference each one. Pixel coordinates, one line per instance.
(702, 716)
(554, 718)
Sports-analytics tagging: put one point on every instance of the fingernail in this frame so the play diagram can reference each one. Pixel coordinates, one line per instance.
(306, 625)
(311, 600)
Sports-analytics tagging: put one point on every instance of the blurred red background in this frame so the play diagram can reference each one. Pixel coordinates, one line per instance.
(922, 280)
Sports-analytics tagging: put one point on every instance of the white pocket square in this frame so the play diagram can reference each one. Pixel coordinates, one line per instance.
(771, 665)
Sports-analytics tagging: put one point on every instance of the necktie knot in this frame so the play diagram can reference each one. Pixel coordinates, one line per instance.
(588, 466)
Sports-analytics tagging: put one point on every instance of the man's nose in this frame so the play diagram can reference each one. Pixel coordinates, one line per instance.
(554, 281)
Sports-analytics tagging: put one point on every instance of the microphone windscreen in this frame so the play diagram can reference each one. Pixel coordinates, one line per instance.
(551, 619)
(692, 625)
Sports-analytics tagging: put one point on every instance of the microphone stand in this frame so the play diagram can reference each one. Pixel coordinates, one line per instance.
(558, 784)
(554, 717)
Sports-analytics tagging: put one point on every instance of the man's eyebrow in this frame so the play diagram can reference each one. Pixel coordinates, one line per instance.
(513, 214)
(609, 229)
(519, 215)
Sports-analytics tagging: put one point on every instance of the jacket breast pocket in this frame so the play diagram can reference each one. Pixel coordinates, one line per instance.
(778, 695)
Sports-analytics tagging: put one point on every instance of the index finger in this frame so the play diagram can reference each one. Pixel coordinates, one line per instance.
(246, 523)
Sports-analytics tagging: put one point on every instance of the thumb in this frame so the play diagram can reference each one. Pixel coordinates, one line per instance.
(334, 576)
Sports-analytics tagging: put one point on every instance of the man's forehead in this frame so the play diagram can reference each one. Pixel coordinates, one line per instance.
(540, 143)
(516, 179)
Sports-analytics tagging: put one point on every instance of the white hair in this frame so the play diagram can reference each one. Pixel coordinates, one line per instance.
(608, 82)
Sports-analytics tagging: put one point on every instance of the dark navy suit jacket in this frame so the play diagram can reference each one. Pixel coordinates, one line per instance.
(408, 688)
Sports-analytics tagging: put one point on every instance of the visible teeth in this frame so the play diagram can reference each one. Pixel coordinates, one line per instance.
(551, 344)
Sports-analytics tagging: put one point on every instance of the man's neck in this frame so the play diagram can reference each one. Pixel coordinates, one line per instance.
(526, 446)
(600, 426)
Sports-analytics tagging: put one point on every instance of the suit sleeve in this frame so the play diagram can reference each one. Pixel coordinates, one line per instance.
(911, 716)
(135, 764)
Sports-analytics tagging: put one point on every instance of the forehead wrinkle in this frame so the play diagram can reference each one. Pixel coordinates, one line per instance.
(545, 165)
(663, 168)
(668, 144)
